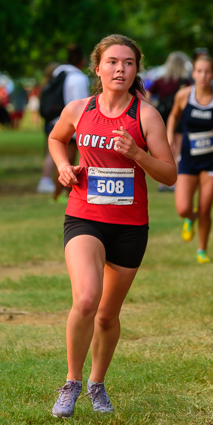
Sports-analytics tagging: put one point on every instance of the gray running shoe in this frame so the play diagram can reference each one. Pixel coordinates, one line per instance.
(64, 406)
(100, 400)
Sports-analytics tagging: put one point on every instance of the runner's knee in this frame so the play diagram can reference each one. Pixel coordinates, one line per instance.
(106, 321)
(184, 210)
(86, 306)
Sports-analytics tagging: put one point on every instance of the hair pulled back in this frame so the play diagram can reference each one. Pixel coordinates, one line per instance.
(100, 48)
(205, 58)
(176, 66)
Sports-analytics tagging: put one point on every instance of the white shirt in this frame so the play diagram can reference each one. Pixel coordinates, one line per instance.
(76, 84)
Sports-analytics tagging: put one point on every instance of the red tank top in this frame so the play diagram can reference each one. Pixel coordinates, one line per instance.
(96, 147)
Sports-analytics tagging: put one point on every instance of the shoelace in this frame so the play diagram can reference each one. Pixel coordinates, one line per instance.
(98, 394)
(66, 390)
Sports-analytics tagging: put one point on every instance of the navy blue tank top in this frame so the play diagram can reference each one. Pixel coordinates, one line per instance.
(197, 145)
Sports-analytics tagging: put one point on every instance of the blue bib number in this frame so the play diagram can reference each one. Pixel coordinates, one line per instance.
(114, 186)
(201, 143)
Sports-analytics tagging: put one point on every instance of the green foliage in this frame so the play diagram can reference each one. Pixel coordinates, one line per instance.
(162, 27)
(35, 32)
(46, 29)
(15, 27)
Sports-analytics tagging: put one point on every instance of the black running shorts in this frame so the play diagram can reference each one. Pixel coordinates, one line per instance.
(125, 245)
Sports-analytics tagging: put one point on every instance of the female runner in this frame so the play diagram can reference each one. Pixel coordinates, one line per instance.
(195, 104)
(106, 222)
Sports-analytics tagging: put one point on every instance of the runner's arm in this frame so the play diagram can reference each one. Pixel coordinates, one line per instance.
(174, 117)
(159, 162)
(60, 137)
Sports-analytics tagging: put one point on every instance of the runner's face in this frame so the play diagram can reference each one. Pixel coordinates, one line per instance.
(117, 68)
(203, 73)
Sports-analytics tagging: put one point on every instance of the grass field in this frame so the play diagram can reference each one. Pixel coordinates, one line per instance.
(162, 371)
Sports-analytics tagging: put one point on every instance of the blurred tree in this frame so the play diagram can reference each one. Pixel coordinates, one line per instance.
(35, 32)
(164, 26)
(15, 27)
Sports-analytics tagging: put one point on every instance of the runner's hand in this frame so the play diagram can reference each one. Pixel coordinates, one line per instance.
(67, 175)
(125, 144)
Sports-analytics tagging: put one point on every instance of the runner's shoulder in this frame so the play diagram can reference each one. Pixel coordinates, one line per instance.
(148, 111)
(78, 104)
(150, 118)
(76, 107)
(183, 93)
(181, 98)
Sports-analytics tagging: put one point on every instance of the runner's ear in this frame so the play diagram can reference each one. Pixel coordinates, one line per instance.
(97, 71)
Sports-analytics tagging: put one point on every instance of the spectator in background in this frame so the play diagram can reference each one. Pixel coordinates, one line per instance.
(199, 51)
(46, 184)
(18, 101)
(175, 77)
(33, 105)
(76, 86)
(4, 100)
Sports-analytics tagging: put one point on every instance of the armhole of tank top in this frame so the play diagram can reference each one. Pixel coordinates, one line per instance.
(191, 93)
(83, 112)
(139, 121)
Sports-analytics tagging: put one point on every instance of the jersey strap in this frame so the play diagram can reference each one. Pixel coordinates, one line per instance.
(92, 104)
(132, 111)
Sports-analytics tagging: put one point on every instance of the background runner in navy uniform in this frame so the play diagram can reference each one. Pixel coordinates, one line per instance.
(101, 279)
(175, 77)
(196, 164)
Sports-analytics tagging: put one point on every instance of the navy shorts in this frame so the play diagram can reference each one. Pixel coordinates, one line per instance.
(125, 245)
(194, 166)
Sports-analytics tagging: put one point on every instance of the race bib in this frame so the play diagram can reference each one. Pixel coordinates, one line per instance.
(114, 186)
(201, 143)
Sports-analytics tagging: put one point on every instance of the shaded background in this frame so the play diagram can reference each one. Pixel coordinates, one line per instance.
(35, 32)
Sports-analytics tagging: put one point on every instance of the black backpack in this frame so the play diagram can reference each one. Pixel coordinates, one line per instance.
(52, 99)
(166, 103)
(165, 106)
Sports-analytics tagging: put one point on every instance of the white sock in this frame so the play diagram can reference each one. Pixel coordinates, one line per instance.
(93, 383)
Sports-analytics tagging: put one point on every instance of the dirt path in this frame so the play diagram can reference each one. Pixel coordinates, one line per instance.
(16, 317)
(47, 267)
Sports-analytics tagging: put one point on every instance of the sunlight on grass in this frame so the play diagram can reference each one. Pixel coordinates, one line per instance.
(162, 371)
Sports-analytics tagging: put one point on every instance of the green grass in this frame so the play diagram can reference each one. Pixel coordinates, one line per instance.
(162, 370)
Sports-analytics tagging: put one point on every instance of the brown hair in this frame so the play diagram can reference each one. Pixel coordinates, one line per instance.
(75, 54)
(100, 48)
(203, 57)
